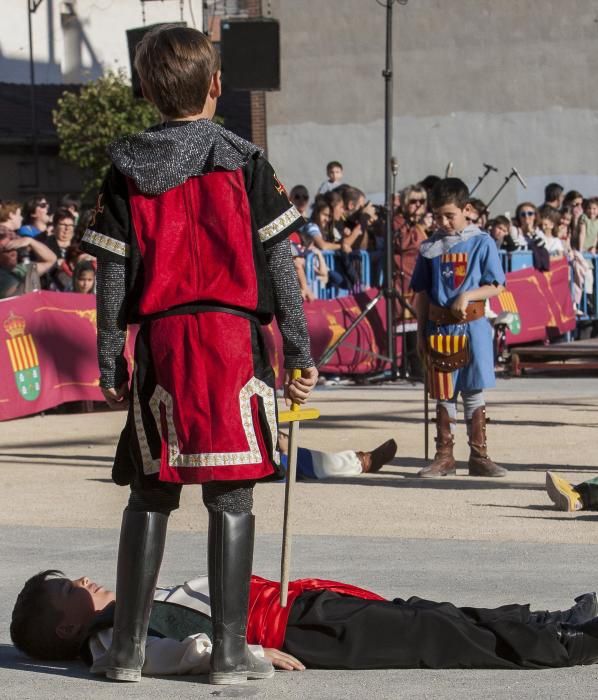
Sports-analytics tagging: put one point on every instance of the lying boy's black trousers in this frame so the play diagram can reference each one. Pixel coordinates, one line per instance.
(328, 630)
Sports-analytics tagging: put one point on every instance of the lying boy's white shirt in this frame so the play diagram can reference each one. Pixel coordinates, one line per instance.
(170, 657)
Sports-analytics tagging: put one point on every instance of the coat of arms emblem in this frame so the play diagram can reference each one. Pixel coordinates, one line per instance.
(23, 357)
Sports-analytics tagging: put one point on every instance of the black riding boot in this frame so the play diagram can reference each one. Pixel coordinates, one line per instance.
(230, 557)
(142, 538)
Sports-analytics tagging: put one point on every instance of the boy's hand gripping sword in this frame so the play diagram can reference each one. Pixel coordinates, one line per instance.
(294, 416)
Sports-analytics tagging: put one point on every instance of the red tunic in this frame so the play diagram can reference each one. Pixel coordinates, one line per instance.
(267, 620)
(204, 404)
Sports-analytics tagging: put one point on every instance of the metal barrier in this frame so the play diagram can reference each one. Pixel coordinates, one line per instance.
(332, 258)
(511, 262)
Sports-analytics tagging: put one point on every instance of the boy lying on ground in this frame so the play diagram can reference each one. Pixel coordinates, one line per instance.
(326, 625)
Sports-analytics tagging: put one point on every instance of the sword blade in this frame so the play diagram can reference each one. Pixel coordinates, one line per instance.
(287, 533)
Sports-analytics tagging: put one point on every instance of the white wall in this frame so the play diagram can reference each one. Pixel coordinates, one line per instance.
(75, 41)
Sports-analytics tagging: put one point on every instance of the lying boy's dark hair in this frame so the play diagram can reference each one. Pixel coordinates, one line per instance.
(451, 190)
(176, 65)
(34, 622)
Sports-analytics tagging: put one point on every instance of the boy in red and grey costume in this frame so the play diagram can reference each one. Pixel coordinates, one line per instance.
(190, 233)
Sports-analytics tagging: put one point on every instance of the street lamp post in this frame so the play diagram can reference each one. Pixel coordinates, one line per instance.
(32, 6)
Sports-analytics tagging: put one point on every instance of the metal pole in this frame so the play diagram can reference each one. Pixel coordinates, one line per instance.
(31, 8)
(388, 277)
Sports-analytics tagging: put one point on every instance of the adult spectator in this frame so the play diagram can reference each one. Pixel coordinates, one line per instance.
(565, 227)
(359, 214)
(36, 216)
(553, 195)
(299, 196)
(549, 224)
(59, 243)
(13, 273)
(574, 199)
(588, 227)
(408, 234)
(526, 232)
(527, 235)
(10, 215)
(334, 171)
(72, 204)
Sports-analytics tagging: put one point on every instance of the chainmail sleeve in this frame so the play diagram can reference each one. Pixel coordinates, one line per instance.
(112, 326)
(288, 306)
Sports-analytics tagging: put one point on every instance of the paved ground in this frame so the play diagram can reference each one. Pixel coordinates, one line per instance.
(474, 541)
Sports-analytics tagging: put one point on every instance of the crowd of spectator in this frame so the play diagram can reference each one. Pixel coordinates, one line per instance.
(39, 249)
(341, 219)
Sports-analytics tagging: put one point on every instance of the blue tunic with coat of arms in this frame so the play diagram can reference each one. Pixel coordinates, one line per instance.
(448, 265)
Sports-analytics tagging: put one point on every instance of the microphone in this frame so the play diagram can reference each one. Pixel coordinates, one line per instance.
(490, 167)
(394, 166)
(518, 176)
(449, 169)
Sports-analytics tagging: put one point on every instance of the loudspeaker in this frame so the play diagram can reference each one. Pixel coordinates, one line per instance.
(250, 50)
(134, 36)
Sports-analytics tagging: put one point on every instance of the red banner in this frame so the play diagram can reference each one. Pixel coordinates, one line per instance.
(48, 339)
(540, 301)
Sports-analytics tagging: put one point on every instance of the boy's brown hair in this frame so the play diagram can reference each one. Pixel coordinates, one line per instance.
(176, 65)
(7, 208)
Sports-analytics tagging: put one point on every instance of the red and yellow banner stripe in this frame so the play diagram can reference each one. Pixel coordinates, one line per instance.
(440, 384)
(507, 302)
(22, 352)
(454, 258)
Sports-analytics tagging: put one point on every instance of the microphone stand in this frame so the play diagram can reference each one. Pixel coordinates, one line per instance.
(387, 290)
(488, 169)
(508, 178)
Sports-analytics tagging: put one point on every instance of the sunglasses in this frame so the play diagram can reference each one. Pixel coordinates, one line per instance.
(527, 212)
(416, 201)
(43, 205)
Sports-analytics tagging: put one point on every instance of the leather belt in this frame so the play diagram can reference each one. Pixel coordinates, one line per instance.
(442, 316)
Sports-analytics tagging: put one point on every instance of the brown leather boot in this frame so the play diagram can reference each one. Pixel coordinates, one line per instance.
(444, 462)
(374, 461)
(479, 462)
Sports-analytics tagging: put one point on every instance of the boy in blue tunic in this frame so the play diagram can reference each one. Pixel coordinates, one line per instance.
(457, 269)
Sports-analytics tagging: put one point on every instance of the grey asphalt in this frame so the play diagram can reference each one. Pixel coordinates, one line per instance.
(472, 572)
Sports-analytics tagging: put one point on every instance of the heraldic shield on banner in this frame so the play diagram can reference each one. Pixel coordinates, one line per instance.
(23, 357)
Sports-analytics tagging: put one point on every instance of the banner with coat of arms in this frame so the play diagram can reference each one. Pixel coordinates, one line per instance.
(48, 347)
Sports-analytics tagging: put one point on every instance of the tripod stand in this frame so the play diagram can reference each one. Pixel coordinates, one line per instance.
(387, 290)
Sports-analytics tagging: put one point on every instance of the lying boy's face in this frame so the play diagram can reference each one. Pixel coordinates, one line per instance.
(451, 219)
(78, 601)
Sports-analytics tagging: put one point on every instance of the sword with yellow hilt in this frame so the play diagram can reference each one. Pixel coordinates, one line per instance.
(294, 416)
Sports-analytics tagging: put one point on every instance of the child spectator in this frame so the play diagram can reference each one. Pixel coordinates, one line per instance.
(334, 170)
(36, 215)
(574, 199)
(499, 230)
(10, 215)
(84, 278)
(318, 231)
(549, 223)
(588, 227)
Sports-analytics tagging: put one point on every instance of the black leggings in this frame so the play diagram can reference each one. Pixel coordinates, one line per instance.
(218, 496)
